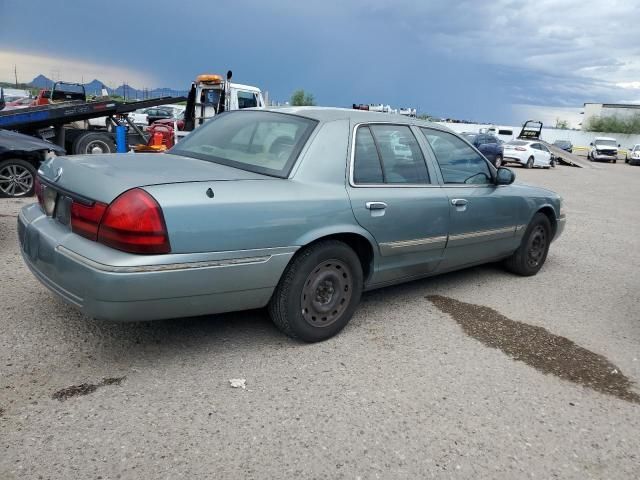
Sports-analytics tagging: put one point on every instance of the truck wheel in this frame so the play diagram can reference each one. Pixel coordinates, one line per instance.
(16, 178)
(93, 143)
(529, 163)
(318, 292)
(528, 259)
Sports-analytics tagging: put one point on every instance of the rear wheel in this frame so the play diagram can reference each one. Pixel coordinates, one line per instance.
(93, 143)
(17, 178)
(532, 253)
(318, 292)
(529, 163)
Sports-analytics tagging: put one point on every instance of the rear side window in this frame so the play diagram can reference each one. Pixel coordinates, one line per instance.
(247, 100)
(388, 154)
(459, 163)
(367, 168)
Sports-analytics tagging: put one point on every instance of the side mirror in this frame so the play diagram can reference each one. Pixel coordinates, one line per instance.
(591, 144)
(505, 176)
(618, 145)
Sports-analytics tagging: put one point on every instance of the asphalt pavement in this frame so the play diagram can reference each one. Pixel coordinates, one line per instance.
(412, 388)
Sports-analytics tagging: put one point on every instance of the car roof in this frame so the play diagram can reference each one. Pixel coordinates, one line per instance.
(330, 114)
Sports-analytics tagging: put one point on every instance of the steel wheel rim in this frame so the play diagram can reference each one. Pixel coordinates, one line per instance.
(15, 180)
(96, 147)
(326, 293)
(537, 246)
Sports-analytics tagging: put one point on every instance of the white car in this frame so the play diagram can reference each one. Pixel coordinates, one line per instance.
(137, 117)
(633, 155)
(528, 153)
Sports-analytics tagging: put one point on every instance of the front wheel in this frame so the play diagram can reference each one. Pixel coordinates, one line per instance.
(318, 292)
(529, 163)
(17, 178)
(528, 259)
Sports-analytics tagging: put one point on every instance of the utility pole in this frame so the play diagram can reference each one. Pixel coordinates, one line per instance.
(15, 74)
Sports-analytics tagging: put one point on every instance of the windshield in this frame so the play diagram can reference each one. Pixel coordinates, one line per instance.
(606, 143)
(261, 142)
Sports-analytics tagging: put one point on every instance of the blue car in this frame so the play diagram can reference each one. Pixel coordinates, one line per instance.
(489, 145)
(296, 209)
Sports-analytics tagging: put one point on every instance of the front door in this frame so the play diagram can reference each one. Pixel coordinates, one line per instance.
(394, 198)
(484, 216)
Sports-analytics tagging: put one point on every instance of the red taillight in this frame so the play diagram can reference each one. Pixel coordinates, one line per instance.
(134, 223)
(522, 149)
(85, 219)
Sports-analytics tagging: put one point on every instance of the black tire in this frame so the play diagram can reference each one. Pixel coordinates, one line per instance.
(91, 142)
(626, 159)
(615, 160)
(326, 268)
(498, 161)
(529, 163)
(17, 178)
(528, 259)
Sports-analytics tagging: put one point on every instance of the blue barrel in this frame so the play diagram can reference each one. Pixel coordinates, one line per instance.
(121, 139)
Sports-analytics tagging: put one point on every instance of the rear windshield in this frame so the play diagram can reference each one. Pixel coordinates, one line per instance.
(516, 142)
(260, 142)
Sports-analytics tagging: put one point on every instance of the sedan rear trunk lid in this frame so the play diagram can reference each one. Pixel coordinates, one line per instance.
(104, 177)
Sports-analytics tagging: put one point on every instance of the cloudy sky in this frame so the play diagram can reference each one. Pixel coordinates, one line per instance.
(501, 61)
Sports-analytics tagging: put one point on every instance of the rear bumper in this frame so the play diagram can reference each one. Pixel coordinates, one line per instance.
(136, 287)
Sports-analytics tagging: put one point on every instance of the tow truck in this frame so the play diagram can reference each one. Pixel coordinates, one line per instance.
(61, 117)
(208, 96)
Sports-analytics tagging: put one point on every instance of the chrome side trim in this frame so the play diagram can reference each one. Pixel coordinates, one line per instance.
(410, 246)
(159, 268)
(483, 234)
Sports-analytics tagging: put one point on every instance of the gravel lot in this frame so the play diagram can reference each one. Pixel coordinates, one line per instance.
(404, 392)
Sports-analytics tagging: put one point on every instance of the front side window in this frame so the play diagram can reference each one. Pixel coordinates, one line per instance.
(261, 142)
(458, 162)
(388, 154)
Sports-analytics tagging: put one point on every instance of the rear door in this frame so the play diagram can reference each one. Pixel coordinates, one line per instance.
(484, 216)
(394, 197)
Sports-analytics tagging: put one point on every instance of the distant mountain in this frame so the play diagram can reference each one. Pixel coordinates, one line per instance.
(94, 87)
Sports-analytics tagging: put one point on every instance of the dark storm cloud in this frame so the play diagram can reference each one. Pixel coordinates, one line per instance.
(460, 59)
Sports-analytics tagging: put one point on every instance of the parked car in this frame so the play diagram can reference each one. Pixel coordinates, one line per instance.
(528, 153)
(253, 209)
(138, 118)
(565, 145)
(20, 157)
(154, 114)
(179, 119)
(603, 149)
(632, 156)
(489, 145)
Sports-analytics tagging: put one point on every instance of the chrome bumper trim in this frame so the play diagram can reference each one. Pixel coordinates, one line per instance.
(159, 268)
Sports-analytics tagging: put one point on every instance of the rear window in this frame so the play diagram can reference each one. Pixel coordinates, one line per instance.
(516, 142)
(260, 142)
(505, 132)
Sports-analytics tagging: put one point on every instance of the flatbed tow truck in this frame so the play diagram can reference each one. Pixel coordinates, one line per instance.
(532, 129)
(55, 121)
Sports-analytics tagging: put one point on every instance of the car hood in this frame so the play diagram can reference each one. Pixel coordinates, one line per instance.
(104, 177)
(13, 141)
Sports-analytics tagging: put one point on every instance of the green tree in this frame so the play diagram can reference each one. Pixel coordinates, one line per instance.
(300, 98)
(613, 124)
(562, 124)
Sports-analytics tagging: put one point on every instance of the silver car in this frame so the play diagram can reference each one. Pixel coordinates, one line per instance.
(297, 209)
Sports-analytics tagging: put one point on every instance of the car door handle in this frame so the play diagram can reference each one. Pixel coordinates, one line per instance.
(375, 205)
(458, 202)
